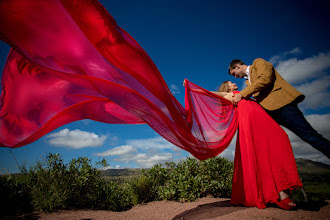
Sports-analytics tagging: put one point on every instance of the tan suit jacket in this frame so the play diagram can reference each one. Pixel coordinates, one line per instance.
(268, 87)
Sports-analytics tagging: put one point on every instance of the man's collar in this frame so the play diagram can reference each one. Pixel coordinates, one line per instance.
(247, 71)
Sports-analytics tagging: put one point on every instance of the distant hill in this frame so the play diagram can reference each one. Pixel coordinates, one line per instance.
(120, 175)
(313, 172)
(308, 166)
(121, 172)
(304, 167)
(315, 177)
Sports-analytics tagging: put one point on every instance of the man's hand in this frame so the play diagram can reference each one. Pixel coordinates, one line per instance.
(236, 98)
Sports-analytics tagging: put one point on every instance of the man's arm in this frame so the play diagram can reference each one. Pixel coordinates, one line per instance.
(265, 77)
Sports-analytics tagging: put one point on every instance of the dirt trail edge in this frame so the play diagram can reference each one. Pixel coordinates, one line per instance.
(204, 208)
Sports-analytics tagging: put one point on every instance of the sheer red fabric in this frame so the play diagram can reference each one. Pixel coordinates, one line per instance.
(71, 61)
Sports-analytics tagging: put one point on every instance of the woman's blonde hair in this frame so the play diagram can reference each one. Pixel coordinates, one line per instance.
(224, 87)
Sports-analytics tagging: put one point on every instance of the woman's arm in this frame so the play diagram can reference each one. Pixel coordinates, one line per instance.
(226, 95)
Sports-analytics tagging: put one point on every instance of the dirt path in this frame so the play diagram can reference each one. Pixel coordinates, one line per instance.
(205, 208)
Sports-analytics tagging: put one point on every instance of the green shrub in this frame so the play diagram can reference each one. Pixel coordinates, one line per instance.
(51, 184)
(48, 183)
(192, 179)
(145, 188)
(219, 174)
(112, 197)
(158, 174)
(84, 182)
(15, 196)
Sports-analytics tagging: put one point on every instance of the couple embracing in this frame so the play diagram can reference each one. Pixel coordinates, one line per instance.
(264, 168)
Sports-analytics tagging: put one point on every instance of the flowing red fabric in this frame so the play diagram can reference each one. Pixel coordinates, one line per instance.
(71, 61)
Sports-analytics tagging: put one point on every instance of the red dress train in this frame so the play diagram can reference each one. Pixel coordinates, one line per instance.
(264, 162)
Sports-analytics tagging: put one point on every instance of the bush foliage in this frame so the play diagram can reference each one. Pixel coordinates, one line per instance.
(51, 185)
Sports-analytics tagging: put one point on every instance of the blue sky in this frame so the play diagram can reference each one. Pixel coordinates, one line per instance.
(197, 40)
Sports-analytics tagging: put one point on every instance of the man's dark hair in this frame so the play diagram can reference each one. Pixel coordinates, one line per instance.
(233, 64)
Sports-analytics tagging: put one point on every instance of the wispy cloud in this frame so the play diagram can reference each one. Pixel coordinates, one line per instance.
(277, 58)
(151, 143)
(143, 160)
(300, 148)
(303, 150)
(320, 123)
(316, 92)
(75, 139)
(174, 89)
(118, 151)
(145, 153)
(229, 153)
(310, 76)
(292, 52)
(146, 161)
(297, 71)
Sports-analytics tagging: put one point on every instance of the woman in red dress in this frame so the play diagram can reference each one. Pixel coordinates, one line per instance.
(264, 167)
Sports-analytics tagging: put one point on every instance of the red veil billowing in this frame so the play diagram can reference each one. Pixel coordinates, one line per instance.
(71, 61)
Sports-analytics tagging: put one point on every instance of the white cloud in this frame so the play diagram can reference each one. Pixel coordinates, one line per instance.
(75, 139)
(150, 143)
(297, 71)
(278, 58)
(118, 151)
(243, 85)
(316, 92)
(292, 52)
(303, 150)
(229, 153)
(310, 76)
(147, 161)
(275, 59)
(174, 89)
(177, 149)
(320, 123)
(143, 152)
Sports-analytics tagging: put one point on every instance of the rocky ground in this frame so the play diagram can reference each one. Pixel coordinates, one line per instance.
(205, 208)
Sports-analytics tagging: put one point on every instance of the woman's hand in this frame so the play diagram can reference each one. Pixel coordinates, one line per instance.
(236, 98)
(184, 82)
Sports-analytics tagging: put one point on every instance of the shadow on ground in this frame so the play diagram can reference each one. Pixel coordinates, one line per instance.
(21, 217)
(312, 205)
(210, 210)
(217, 209)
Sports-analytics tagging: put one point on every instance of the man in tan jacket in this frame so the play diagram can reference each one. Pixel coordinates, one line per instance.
(278, 98)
